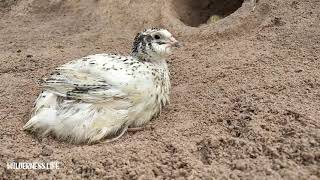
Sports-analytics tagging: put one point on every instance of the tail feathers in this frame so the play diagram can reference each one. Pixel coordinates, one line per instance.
(80, 123)
(42, 121)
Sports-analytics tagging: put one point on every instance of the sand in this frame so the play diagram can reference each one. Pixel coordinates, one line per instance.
(245, 100)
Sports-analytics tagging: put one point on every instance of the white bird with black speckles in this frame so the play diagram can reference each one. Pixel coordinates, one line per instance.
(102, 95)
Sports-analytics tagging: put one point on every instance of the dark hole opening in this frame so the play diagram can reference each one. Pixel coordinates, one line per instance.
(196, 12)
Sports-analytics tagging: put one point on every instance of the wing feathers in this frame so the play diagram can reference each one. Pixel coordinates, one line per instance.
(80, 80)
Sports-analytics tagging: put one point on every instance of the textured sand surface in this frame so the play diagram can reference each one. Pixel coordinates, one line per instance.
(245, 100)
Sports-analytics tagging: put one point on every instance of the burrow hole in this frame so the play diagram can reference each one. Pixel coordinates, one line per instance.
(196, 12)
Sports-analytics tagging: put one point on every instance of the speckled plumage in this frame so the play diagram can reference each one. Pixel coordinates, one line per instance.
(103, 95)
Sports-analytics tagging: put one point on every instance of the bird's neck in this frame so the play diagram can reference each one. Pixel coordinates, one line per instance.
(158, 61)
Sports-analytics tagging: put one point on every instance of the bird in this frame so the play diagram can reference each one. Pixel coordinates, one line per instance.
(102, 96)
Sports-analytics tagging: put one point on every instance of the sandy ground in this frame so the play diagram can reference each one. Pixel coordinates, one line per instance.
(245, 100)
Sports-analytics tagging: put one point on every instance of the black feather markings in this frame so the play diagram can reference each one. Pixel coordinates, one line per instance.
(75, 89)
(84, 89)
(141, 40)
(137, 40)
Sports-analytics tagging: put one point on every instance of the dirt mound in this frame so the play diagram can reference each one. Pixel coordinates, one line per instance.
(245, 88)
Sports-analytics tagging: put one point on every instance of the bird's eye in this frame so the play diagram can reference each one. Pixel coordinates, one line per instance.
(156, 36)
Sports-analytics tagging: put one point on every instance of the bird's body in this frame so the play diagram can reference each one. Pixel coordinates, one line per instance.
(102, 95)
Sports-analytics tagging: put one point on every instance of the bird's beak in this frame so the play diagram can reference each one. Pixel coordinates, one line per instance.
(175, 43)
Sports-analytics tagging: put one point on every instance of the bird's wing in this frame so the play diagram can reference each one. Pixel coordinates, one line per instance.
(81, 80)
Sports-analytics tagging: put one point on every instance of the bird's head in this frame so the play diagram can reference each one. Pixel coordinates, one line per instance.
(153, 43)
